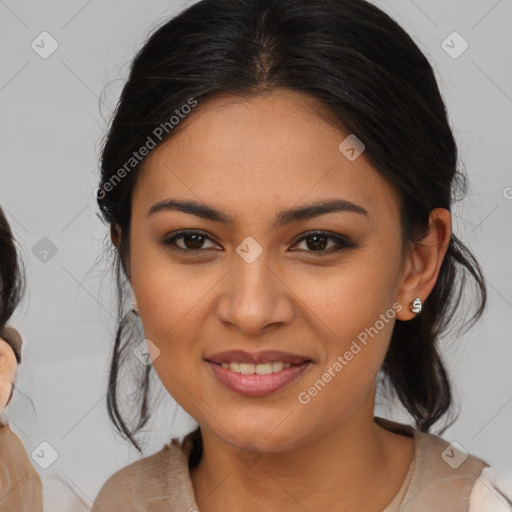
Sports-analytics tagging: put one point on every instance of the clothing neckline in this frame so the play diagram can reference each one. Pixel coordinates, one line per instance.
(407, 431)
(440, 477)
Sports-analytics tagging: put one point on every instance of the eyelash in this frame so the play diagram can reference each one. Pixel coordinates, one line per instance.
(342, 243)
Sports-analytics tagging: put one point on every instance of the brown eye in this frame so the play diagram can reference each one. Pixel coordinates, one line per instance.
(191, 241)
(318, 242)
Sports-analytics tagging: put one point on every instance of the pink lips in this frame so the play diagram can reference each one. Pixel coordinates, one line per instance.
(254, 384)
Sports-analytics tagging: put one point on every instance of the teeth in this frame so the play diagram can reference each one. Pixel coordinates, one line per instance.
(277, 366)
(247, 368)
(259, 369)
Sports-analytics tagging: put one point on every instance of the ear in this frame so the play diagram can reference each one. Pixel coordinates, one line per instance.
(423, 262)
(8, 366)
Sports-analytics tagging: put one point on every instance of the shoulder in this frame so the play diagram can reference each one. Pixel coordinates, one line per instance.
(442, 475)
(130, 488)
(448, 457)
(20, 483)
(492, 492)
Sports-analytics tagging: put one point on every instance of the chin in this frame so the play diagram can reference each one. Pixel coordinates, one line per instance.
(257, 436)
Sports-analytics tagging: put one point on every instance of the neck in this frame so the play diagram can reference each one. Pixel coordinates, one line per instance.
(357, 465)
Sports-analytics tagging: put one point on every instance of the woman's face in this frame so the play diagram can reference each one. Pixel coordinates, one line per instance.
(256, 283)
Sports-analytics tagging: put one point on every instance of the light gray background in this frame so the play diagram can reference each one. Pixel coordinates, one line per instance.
(54, 113)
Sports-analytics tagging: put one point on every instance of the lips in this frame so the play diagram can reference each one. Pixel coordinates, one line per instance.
(256, 385)
(265, 356)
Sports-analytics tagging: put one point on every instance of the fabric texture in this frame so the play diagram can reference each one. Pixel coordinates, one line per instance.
(441, 477)
(20, 484)
(492, 492)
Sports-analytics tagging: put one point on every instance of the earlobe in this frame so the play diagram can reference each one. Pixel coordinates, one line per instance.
(424, 263)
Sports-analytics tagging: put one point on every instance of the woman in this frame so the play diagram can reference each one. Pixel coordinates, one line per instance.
(20, 484)
(283, 220)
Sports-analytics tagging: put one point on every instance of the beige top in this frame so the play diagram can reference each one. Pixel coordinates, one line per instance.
(20, 484)
(161, 482)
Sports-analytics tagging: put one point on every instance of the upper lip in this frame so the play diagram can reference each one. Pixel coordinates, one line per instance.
(263, 356)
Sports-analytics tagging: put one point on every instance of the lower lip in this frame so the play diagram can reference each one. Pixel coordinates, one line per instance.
(258, 385)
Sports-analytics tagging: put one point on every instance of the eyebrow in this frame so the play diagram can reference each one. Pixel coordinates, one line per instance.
(284, 217)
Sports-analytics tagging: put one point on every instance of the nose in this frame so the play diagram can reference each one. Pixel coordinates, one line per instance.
(254, 298)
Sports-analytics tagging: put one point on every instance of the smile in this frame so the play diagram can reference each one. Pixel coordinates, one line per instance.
(257, 379)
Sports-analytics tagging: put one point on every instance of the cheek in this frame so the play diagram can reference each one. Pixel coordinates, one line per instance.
(171, 311)
(352, 296)
(169, 305)
(352, 310)
(168, 293)
(172, 300)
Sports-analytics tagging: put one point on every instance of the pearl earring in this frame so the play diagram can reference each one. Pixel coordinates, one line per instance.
(135, 311)
(416, 305)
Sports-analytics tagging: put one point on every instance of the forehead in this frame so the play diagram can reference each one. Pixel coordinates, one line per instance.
(253, 153)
